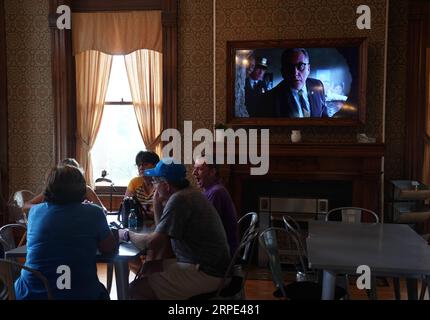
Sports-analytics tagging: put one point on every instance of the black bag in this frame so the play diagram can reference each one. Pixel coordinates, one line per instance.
(124, 210)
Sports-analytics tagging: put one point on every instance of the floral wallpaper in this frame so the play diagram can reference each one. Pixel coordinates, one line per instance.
(30, 103)
(31, 109)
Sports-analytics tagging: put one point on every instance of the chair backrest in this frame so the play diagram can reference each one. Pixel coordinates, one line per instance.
(351, 214)
(293, 226)
(269, 242)
(16, 205)
(7, 278)
(234, 269)
(8, 233)
(249, 223)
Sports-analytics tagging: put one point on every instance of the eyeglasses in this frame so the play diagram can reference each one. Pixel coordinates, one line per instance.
(299, 66)
(156, 181)
(141, 164)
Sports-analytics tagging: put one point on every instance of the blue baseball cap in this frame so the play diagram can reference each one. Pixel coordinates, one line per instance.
(168, 169)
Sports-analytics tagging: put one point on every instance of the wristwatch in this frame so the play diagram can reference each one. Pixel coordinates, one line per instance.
(126, 236)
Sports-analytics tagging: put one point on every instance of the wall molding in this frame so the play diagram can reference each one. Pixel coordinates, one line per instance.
(4, 178)
(418, 33)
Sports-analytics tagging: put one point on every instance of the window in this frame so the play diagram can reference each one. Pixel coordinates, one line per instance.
(118, 140)
(66, 142)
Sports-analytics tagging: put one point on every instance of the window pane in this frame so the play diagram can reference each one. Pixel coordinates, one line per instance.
(117, 144)
(118, 87)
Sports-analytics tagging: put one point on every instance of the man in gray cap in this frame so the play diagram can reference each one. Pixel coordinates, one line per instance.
(185, 219)
(255, 88)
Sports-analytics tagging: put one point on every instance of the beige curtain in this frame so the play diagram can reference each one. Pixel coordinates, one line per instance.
(426, 163)
(144, 70)
(92, 77)
(117, 32)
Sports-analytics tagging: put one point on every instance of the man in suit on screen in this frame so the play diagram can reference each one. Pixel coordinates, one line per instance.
(298, 96)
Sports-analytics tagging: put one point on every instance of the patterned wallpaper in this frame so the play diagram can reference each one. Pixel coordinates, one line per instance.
(31, 109)
(271, 19)
(395, 125)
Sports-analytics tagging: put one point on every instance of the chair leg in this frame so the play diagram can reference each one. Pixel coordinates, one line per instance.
(396, 285)
(347, 297)
(371, 293)
(109, 276)
(423, 290)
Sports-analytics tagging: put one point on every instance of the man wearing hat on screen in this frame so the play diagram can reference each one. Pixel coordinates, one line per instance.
(256, 88)
(185, 219)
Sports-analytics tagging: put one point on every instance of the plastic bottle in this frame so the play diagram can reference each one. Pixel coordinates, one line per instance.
(132, 220)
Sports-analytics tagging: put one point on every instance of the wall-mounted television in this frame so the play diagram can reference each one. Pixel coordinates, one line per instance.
(297, 82)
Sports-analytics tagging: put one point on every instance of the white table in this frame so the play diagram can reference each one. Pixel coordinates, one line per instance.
(388, 249)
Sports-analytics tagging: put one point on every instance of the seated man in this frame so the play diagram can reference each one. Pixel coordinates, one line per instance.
(207, 178)
(184, 217)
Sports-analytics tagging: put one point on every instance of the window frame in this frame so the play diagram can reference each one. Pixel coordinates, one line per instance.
(63, 64)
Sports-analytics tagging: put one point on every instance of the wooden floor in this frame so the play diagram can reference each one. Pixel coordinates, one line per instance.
(263, 289)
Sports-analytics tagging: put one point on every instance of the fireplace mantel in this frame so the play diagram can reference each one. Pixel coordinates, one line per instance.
(361, 164)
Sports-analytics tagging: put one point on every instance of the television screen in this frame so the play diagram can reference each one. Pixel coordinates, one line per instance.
(298, 80)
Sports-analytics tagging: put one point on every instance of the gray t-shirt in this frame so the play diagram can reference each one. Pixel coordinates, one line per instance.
(196, 231)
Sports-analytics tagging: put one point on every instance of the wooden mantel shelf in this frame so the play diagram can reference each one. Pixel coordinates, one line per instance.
(328, 149)
(360, 164)
(320, 149)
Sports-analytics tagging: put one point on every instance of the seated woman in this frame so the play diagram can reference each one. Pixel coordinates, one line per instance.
(90, 195)
(63, 231)
(141, 186)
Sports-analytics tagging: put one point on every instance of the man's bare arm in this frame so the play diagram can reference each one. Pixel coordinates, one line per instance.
(155, 241)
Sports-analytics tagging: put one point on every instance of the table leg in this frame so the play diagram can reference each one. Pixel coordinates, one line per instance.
(411, 285)
(373, 287)
(328, 285)
(427, 279)
(121, 278)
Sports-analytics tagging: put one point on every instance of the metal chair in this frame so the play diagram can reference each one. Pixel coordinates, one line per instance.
(249, 228)
(8, 234)
(297, 290)
(7, 278)
(234, 272)
(294, 228)
(16, 205)
(351, 215)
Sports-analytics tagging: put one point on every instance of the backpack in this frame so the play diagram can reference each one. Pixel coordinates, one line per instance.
(124, 210)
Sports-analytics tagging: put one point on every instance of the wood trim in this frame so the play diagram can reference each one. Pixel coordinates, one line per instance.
(116, 5)
(63, 86)
(170, 63)
(415, 112)
(63, 65)
(4, 178)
